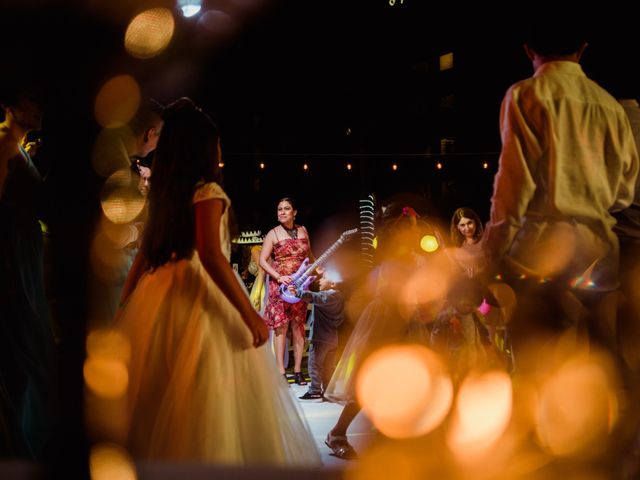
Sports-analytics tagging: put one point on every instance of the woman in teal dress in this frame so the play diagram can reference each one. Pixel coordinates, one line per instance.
(26, 339)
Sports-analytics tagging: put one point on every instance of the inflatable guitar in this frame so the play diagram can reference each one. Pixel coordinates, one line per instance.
(302, 278)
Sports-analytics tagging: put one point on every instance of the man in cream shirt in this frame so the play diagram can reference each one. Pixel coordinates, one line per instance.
(568, 159)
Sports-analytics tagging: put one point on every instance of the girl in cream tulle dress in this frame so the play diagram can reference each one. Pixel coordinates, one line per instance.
(202, 385)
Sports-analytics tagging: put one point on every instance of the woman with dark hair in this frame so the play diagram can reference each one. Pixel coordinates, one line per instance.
(466, 236)
(289, 245)
(201, 385)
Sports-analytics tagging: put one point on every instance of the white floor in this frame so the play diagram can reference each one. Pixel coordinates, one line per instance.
(321, 417)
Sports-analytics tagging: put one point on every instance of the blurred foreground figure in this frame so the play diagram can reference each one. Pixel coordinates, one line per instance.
(26, 336)
(120, 156)
(382, 322)
(568, 159)
(201, 385)
(628, 230)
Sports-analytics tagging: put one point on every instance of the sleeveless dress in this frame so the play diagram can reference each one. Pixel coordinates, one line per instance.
(198, 390)
(289, 253)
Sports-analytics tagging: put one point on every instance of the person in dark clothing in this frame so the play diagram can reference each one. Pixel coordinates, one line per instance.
(328, 315)
(27, 343)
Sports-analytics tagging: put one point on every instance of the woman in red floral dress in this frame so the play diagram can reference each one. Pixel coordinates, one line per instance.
(289, 244)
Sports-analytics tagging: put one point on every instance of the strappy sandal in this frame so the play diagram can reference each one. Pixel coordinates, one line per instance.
(340, 447)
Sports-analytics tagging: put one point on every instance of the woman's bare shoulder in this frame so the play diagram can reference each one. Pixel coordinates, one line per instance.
(271, 235)
(304, 230)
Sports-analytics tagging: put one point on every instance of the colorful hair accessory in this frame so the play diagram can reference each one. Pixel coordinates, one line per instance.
(409, 212)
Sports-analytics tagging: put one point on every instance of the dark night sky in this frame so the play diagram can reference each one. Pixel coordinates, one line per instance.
(292, 81)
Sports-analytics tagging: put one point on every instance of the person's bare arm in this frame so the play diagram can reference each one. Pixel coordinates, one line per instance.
(267, 248)
(8, 151)
(208, 214)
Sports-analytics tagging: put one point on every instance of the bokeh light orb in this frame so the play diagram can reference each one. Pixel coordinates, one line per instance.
(577, 407)
(149, 33)
(117, 101)
(404, 390)
(105, 369)
(107, 378)
(108, 344)
(109, 461)
(482, 413)
(429, 243)
(121, 203)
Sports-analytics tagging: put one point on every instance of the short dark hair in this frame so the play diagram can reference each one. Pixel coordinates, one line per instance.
(557, 33)
(289, 200)
(11, 95)
(149, 111)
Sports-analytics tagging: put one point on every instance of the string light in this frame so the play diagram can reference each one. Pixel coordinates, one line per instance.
(261, 165)
(439, 166)
(394, 167)
(305, 167)
(221, 164)
(485, 165)
(348, 166)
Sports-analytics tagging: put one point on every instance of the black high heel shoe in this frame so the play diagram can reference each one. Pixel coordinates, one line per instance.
(299, 378)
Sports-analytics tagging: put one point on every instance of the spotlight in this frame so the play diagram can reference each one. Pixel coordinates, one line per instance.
(429, 243)
(189, 7)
